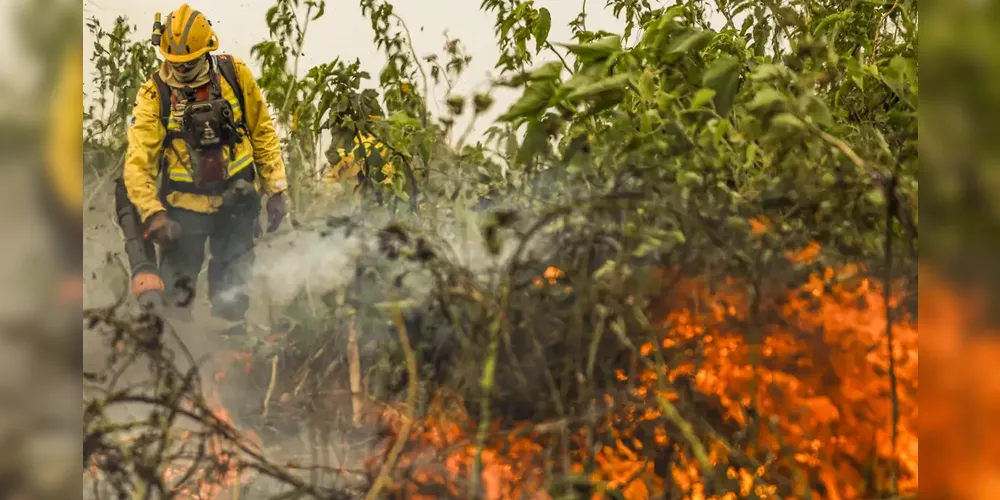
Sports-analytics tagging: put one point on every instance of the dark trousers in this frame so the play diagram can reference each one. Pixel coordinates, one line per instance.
(230, 234)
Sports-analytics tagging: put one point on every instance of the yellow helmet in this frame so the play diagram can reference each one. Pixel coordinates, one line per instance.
(187, 36)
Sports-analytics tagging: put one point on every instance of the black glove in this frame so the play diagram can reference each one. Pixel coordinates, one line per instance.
(277, 208)
(161, 229)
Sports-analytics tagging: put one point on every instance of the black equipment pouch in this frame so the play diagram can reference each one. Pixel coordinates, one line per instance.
(209, 130)
(206, 125)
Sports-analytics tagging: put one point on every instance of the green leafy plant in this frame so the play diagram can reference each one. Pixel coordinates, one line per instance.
(121, 66)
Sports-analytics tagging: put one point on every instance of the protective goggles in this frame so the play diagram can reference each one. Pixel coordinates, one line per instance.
(186, 66)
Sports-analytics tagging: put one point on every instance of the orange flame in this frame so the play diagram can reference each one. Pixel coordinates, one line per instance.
(212, 485)
(819, 381)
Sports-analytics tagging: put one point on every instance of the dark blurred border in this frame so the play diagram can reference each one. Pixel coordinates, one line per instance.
(41, 190)
(960, 272)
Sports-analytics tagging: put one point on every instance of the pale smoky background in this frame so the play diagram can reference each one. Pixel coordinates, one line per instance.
(39, 308)
(343, 32)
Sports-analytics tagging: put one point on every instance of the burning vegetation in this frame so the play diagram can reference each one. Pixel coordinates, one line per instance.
(707, 389)
(704, 412)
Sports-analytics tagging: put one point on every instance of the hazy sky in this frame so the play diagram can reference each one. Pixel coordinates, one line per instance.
(344, 32)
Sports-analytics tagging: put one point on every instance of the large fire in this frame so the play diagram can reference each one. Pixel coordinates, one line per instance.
(818, 382)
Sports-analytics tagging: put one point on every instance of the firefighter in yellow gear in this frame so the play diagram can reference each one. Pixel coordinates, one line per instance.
(202, 153)
(343, 175)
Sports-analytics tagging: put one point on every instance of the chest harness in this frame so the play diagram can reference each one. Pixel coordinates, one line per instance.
(209, 131)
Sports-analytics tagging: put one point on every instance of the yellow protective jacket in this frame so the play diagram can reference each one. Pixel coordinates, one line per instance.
(345, 173)
(145, 147)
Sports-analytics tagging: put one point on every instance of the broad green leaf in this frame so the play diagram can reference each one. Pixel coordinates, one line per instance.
(690, 42)
(647, 247)
(787, 16)
(511, 145)
(403, 195)
(818, 110)
(767, 72)
(737, 223)
(832, 20)
(855, 73)
(575, 82)
(646, 85)
(373, 162)
(541, 28)
(535, 99)
(702, 97)
(903, 69)
(604, 101)
(671, 15)
(664, 100)
(599, 49)
(721, 128)
(787, 121)
(534, 140)
(747, 24)
(401, 119)
(688, 178)
(751, 155)
(676, 236)
(761, 32)
(876, 197)
(397, 185)
(723, 77)
(548, 71)
(482, 102)
(766, 98)
(514, 81)
(606, 270)
(269, 17)
(614, 83)
(883, 145)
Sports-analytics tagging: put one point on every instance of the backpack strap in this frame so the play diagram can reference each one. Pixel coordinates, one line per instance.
(165, 105)
(166, 110)
(227, 68)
